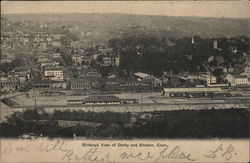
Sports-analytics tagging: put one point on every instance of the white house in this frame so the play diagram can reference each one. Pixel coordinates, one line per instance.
(54, 73)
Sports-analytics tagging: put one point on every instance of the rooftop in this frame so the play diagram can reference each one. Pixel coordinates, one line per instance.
(193, 89)
(102, 99)
(47, 68)
(141, 74)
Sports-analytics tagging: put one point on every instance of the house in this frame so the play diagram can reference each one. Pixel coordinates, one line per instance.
(88, 72)
(219, 59)
(49, 63)
(56, 43)
(77, 59)
(56, 56)
(115, 60)
(111, 60)
(54, 73)
(106, 61)
(210, 59)
(164, 80)
(2, 75)
(106, 51)
(157, 83)
(41, 59)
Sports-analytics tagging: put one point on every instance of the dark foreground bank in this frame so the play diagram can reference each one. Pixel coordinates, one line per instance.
(219, 123)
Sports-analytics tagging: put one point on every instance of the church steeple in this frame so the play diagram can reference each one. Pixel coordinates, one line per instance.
(192, 39)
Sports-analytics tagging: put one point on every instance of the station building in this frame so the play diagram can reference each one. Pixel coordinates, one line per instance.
(170, 91)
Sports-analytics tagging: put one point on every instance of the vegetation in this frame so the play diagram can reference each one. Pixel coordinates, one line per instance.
(230, 123)
(153, 55)
(17, 62)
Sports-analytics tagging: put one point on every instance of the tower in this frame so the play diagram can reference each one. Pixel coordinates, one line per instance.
(215, 44)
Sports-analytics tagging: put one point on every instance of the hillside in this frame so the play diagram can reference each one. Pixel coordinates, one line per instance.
(107, 26)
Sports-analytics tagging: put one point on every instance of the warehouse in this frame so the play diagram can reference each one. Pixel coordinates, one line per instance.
(169, 92)
(102, 100)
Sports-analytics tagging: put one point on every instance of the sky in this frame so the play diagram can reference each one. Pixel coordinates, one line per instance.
(232, 8)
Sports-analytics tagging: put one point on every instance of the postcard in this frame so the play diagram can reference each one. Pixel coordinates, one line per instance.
(124, 81)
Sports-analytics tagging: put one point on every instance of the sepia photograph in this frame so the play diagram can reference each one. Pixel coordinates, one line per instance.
(117, 71)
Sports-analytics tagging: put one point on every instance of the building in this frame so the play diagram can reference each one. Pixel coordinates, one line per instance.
(77, 59)
(106, 61)
(219, 59)
(42, 84)
(56, 43)
(173, 80)
(144, 77)
(94, 74)
(42, 59)
(9, 83)
(157, 83)
(2, 75)
(230, 79)
(123, 84)
(241, 80)
(215, 44)
(80, 84)
(112, 60)
(169, 91)
(237, 80)
(102, 100)
(49, 63)
(60, 84)
(247, 71)
(209, 79)
(56, 56)
(54, 73)
(111, 83)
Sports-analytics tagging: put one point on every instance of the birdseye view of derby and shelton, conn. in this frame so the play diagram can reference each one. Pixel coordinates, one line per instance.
(124, 76)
